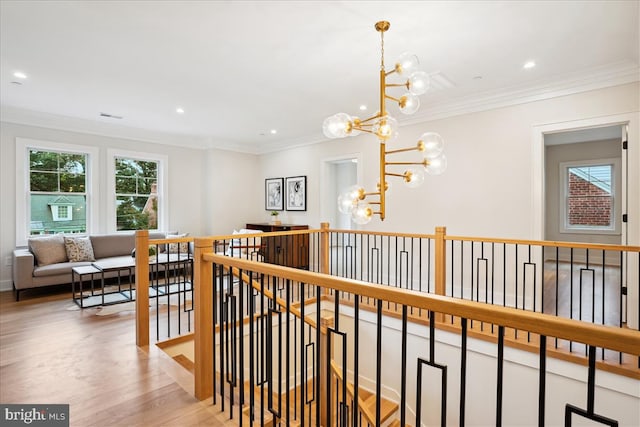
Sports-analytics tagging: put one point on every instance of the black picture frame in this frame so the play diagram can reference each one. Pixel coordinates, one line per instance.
(296, 193)
(274, 194)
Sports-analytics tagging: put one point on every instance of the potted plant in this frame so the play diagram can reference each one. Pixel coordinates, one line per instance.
(274, 218)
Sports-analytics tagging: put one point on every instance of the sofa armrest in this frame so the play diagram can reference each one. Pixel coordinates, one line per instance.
(23, 265)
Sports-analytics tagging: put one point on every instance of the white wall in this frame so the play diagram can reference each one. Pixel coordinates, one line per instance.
(487, 189)
(234, 192)
(201, 184)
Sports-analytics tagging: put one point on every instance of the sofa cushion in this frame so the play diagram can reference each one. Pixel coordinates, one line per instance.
(59, 268)
(110, 245)
(48, 249)
(79, 249)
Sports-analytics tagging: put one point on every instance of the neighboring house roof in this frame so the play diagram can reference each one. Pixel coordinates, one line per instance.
(600, 176)
(61, 201)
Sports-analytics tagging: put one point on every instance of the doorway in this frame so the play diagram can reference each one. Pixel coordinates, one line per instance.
(585, 197)
(339, 174)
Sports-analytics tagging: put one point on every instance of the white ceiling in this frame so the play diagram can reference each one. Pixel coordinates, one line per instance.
(242, 68)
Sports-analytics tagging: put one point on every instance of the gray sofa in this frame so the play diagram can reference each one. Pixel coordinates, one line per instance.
(28, 274)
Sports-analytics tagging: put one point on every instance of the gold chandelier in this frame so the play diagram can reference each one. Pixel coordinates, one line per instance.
(356, 200)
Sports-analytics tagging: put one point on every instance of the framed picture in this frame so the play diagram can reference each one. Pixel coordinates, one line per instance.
(273, 194)
(296, 187)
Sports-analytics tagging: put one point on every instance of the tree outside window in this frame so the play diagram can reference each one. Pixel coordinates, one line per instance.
(57, 184)
(136, 186)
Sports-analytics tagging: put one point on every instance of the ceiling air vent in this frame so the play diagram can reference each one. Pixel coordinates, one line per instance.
(439, 81)
(110, 116)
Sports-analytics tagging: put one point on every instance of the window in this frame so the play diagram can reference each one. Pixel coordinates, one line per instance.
(137, 188)
(589, 203)
(50, 174)
(136, 194)
(62, 212)
(57, 192)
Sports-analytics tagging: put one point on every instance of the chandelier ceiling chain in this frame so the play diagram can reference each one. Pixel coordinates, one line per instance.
(356, 200)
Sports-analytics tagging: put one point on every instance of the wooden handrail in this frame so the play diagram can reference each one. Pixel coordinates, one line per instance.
(617, 339)
(548, 243)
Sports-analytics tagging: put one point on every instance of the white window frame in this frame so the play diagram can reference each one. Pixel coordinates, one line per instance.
(615, 227)
(163, 187)
(23, 201)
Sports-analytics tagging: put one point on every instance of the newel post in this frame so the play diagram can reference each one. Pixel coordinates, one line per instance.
(142, 288)
(441, 264)
(324, 247)
(203, 319)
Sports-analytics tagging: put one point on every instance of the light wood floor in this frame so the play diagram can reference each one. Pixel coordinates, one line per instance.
(50, 353)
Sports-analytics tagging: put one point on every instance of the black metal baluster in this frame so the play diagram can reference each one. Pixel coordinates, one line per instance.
(356, 359)
(303, 365)
(403, 368)
(463, 371)
(500, 376)
(252, 400)
(570, 291)
(318, 354)
(378, 360)
(542, 372)
(287, 348)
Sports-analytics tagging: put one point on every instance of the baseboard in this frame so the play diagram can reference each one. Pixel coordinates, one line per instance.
(6, 285)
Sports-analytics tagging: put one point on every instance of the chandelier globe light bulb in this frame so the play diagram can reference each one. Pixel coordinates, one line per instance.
(337, 126)
(409, 103)
(437, 165)
(419, 82)
(348, 199)
(406, 64)
(413, 178)
(386, 128)
(362, 213)
(432, 144)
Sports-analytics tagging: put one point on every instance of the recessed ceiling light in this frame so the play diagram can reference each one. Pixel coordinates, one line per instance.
(529, 64)
(273, 131)
(19, 75)
(180, 110)
(477, 77)
(363, 107)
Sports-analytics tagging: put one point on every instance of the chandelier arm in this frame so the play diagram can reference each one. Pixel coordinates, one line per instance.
(402, 150)
(391, 98)
(401, 175)
(365, 130)
(377, 193)
(422, 163)
(371, 118)
(388, 73)
(399, 84)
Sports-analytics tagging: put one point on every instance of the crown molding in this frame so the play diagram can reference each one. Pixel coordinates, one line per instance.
(599, 78)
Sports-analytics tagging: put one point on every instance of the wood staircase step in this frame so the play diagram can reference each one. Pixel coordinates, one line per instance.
(185, 362)
(387, 407)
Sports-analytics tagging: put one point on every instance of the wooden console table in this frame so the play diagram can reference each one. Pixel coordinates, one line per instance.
(290, 251)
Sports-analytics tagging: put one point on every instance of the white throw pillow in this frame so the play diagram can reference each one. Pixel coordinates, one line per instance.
(79, 249)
